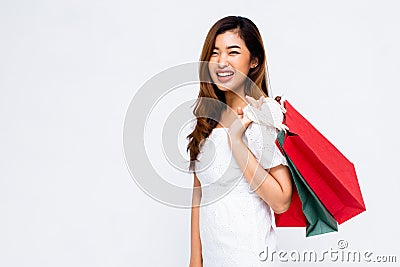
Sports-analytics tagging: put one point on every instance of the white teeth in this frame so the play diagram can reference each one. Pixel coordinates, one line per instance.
(224, 74)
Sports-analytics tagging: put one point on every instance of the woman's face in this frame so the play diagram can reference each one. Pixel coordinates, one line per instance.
(230, 62)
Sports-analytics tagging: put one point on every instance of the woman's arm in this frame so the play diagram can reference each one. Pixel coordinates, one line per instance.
(274, 187)
(195, 251)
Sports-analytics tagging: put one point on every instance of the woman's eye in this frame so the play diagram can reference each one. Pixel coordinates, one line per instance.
(232, 52)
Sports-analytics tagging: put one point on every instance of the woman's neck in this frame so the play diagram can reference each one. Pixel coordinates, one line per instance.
(235, 99)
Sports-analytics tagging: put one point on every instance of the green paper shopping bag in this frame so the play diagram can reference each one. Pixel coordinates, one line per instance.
(318, 218)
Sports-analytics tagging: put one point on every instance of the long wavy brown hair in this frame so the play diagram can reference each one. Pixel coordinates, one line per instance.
(208, 113)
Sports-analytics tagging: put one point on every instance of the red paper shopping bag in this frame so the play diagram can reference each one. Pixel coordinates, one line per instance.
(327, 171)
(294, 216)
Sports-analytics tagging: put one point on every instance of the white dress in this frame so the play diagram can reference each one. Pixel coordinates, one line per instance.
(236, 225)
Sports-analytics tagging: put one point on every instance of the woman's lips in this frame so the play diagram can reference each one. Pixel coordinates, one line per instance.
(224, 76)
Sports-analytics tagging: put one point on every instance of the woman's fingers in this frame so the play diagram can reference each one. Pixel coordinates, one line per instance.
(252, 101)
(239, 111)
(255, 103)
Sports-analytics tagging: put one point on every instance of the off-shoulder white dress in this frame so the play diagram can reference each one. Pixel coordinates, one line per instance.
(236, 225)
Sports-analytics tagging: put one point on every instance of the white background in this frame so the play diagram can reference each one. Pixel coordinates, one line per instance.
(68, 70)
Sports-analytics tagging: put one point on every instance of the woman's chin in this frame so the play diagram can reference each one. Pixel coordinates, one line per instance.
(225, 86)
(228, 87)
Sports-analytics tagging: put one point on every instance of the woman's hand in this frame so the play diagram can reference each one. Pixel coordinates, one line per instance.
(241, 122)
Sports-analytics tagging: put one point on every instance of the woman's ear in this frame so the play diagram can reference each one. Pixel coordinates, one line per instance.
(254, 63)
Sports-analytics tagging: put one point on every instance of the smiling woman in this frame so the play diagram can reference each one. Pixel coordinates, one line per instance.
(240, 176)
(230, 55)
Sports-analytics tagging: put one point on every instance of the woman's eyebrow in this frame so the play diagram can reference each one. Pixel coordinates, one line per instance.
(229, 47)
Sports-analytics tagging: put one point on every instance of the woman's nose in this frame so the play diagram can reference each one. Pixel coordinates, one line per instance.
(222, 61)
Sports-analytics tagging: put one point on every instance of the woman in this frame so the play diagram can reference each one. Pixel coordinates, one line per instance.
(230, 224)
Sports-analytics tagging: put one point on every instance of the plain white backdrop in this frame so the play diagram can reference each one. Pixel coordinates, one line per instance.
(69, 69)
